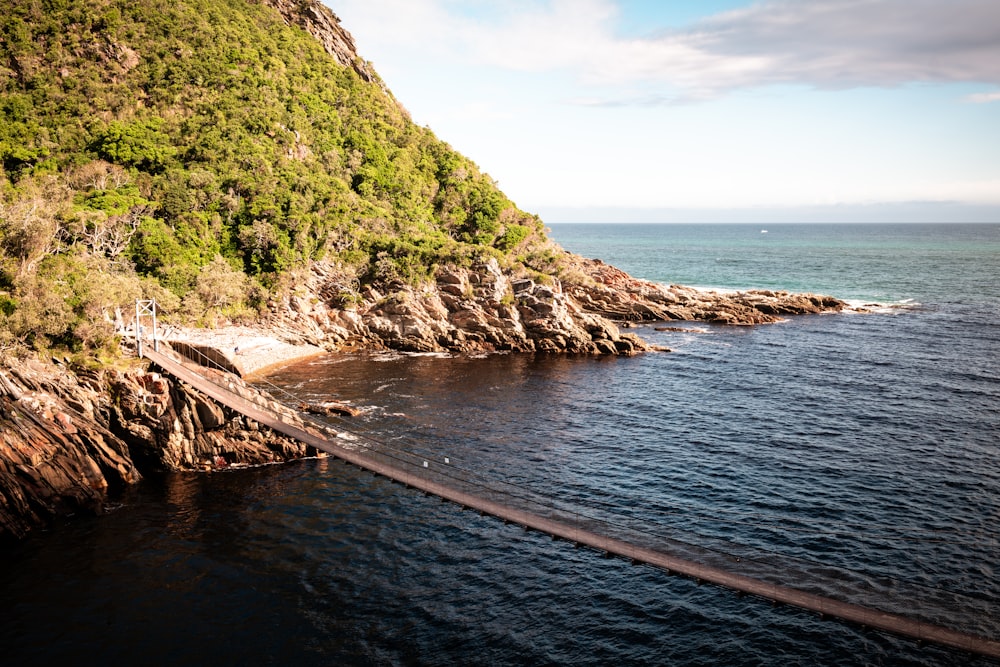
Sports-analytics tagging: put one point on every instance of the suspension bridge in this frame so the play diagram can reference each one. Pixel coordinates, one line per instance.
(580, 530)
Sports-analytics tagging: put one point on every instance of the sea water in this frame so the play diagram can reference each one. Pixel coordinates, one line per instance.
(854, 454)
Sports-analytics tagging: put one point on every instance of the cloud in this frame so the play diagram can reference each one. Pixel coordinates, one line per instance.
(612, 102)
(850, 43)
(984, 98)
(826, 44)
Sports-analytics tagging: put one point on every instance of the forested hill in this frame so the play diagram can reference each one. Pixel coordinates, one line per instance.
(203, 153)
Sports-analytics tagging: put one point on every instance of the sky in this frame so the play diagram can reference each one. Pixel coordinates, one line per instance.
(706, 110)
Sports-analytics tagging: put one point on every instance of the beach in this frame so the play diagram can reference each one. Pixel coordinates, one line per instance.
(246, 351)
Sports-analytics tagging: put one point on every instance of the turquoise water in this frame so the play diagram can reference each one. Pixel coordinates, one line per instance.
(854, 455)
(867, 262)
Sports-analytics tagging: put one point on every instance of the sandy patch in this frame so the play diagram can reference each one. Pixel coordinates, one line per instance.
(244, 350)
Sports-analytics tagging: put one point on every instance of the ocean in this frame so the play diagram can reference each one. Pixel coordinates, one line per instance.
(853, 454)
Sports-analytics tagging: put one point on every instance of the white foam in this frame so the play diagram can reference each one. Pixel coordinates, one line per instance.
(395, 356)
(715, 289)
(386, 356)
(863, 306)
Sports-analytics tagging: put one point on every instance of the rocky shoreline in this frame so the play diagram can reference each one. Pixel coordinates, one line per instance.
(71, 438)
(484, 309)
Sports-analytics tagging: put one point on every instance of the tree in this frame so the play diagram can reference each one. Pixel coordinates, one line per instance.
(30, 226)
(137, 144)
(219, 285)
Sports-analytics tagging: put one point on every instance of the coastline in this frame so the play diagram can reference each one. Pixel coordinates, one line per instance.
(150, 422)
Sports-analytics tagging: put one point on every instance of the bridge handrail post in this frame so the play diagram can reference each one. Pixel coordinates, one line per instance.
(138, 331)
(156, 342)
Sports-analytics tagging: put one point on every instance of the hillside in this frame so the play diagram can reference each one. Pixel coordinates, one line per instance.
(202, 152)
(240, 163)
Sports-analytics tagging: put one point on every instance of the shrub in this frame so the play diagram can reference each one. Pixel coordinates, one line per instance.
(138, 144)
(512, 237)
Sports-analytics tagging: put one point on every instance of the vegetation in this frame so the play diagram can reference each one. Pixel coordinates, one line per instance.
(203, 152)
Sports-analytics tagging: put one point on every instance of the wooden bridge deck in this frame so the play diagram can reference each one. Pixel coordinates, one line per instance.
(581, 536)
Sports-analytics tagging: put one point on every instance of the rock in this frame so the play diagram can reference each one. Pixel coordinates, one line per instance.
(482, 308)
(8, 388)
(611, 292)
(330, 408)
(54, 460)
(68, 446)
(210, 416)
(316, 19)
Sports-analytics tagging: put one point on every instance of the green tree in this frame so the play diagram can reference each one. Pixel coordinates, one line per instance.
(138, 144)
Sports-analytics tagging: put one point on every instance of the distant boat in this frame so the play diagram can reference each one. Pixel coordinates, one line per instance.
(763, 231)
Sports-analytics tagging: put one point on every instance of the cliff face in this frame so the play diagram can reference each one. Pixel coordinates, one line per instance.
(56, 456)
(477, 309)
(70, 441)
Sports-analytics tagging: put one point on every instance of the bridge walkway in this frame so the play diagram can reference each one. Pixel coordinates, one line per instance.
(578, 533)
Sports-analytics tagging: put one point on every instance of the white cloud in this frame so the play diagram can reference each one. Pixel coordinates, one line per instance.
(848, 43)
(562, 33)
(818, 43)
(558, 104)
(984, 98)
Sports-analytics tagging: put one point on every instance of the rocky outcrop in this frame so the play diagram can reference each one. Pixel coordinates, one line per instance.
(476, 309)
(612, 293)
(485, 309)
(71, 440)
(57, 456)
(317, 20)
(169, 426)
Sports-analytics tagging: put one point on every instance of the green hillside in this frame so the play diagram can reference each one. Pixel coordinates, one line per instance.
(203, 152)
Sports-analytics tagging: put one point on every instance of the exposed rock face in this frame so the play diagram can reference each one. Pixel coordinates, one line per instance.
(69, 440)
(317, 19)
(478, 309)
(169, 426)
(483, 309)
(57, 456)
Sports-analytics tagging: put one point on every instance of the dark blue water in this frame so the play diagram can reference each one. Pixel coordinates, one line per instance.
(851, 454)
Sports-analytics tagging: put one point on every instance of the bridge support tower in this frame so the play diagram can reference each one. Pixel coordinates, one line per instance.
(145, 311)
